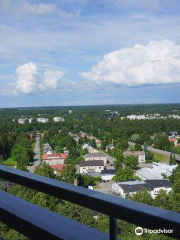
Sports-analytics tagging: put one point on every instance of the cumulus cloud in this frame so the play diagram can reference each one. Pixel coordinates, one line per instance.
(51, 80)
(26, 78)
(23, 7)
(154, 63)
(29, 80)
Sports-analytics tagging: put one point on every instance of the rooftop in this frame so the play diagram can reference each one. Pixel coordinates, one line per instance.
(98, 154)
(91, 163)
(159, 183)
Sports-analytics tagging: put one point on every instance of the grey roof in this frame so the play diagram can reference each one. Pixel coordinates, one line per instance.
(135, 153)
(134, 188)
(91, 163)
(159, 183)
(108, 171)
(98, 154)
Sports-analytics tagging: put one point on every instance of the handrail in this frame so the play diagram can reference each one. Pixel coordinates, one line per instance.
(37, 223)
(140, 214)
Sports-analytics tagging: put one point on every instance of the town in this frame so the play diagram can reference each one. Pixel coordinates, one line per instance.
(103, 151)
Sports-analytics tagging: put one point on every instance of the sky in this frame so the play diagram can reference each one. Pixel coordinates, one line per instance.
(89, 52)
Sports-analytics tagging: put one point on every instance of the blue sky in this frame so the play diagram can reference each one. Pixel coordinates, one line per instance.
(87, 52)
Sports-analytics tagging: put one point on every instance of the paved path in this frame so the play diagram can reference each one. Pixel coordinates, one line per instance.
(36, 161)
(165, 153)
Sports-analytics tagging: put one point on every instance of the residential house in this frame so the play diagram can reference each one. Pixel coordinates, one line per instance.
(58, 168)
(54, 159)
(139, 154)
(91, 166)
(130, 188)
(158, 185)
(96, 156)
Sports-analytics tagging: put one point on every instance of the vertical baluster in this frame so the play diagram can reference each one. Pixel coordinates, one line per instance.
(113, 228)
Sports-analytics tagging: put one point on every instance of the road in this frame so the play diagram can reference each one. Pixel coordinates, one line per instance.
(37, 160)
(165, 153)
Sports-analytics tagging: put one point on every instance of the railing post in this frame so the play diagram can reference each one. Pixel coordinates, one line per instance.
(113, 228)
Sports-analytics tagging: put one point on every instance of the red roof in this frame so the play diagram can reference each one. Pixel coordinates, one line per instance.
(55, 156)
(58, 167)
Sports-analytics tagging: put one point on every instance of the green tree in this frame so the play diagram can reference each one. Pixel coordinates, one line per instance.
(123, 175)
(143, 196)
(131, 161)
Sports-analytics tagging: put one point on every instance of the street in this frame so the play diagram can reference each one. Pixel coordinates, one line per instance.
(36, 161)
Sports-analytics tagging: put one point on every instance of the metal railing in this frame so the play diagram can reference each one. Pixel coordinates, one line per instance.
(116, 208)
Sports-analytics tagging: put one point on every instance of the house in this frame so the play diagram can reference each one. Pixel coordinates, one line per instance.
(21, 120)
(42, 120)
(158, 185)
(58, 168)
(96, 156)
(139, 154)
(130, 188)
(91, 166)
(54, 159)
(107, 175)
(58, 119)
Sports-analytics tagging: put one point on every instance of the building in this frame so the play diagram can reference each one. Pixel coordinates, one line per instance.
(158, 171)
(58, 168)
(139, 154)
(42, 120)
(158, 185)
(70, 111)
(21, 120)
(58, 119)
(54, 159)
(107, 175)
(96, 156)
(91, 166)
(30, 120)
(130, 188)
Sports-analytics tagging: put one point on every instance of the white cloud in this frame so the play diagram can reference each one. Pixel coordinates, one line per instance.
(23, 7)
(29, 80)
(154, 63)
(26, 78)
(51, 80)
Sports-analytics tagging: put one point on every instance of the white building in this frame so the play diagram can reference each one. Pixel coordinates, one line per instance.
(130, 188)
(158, 171)
(54, 159)
(42, 120)
(158, 185)
(91, 166)
(107, 175)
(30, 120)
(70, 111)
(58, 119)
(21, 120)
(139, 154)
(96, 156)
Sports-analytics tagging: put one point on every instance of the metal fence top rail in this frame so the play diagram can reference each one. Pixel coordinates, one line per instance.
(37, 222)
(133, 212)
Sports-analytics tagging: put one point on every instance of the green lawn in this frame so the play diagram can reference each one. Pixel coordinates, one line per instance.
(160, 157)
(10, 162)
